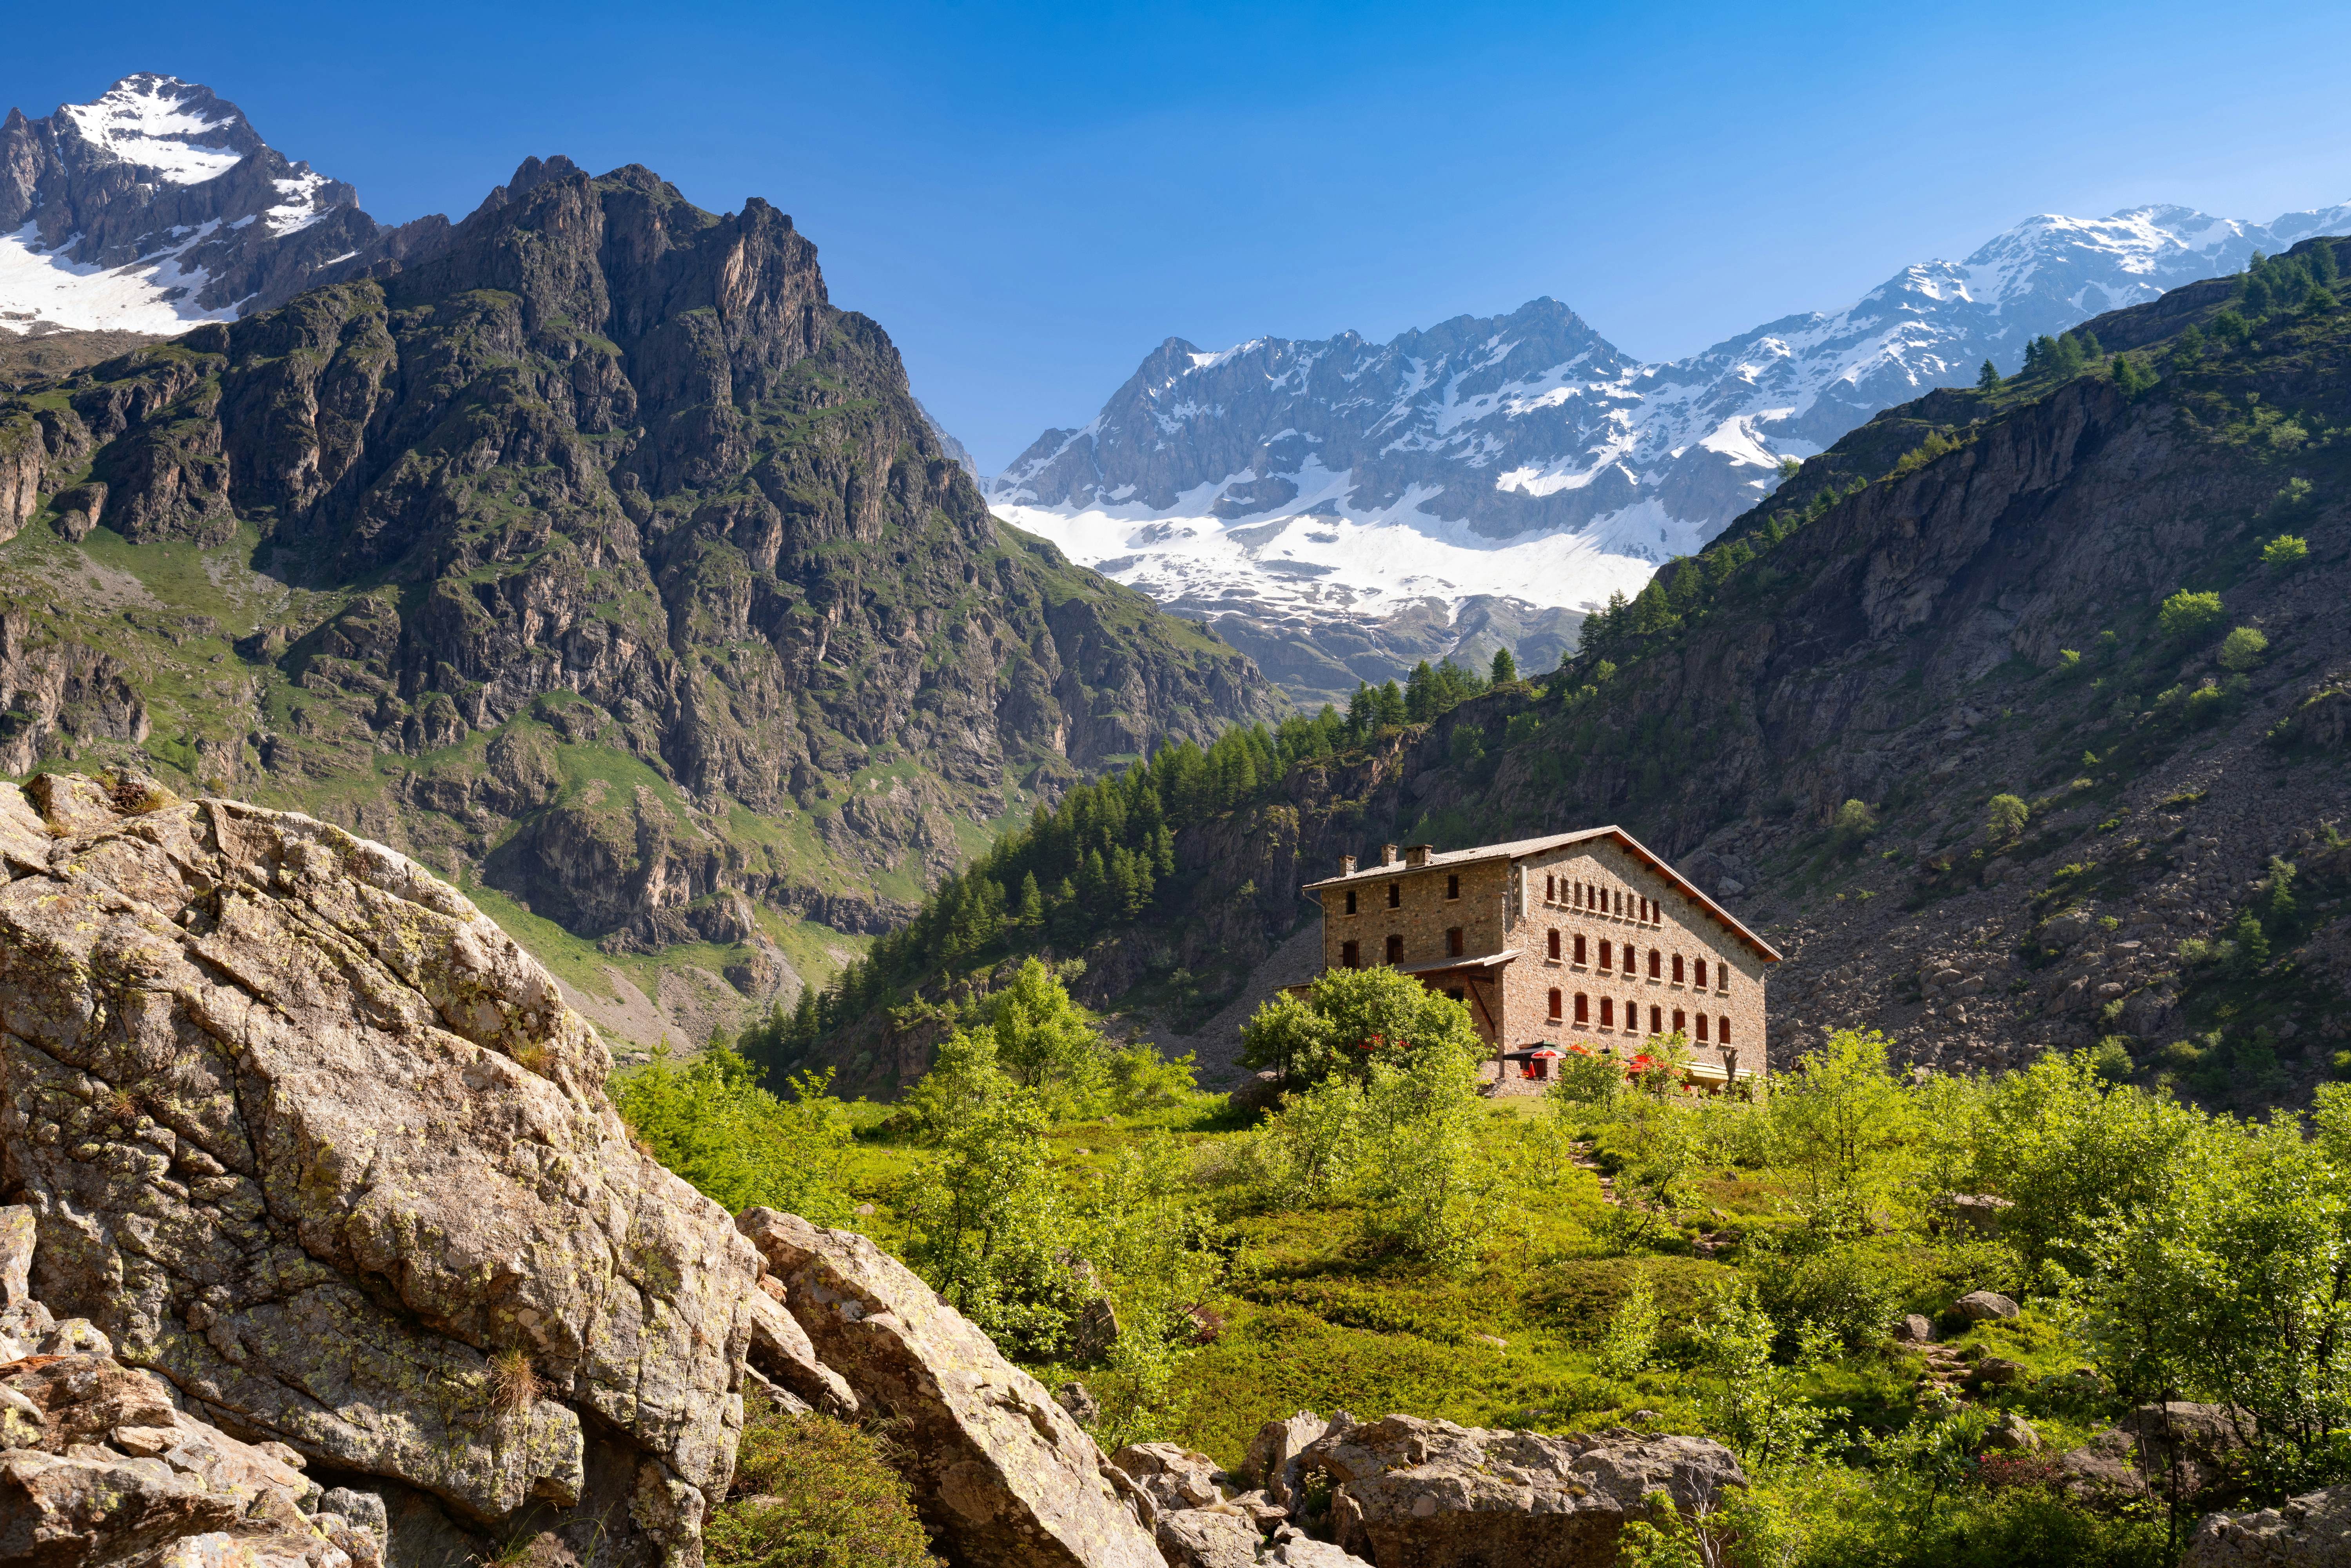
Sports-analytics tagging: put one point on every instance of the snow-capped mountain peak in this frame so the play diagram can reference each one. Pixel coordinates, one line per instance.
(1289, 488)
(156, 206)
(174, 130)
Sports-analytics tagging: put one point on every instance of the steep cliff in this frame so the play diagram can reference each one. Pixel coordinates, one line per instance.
(587, 547)
(1962, 600)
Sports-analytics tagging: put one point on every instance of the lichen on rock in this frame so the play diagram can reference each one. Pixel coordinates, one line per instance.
(304, 1133)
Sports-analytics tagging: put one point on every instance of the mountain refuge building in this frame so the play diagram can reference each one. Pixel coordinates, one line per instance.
(1578, 939)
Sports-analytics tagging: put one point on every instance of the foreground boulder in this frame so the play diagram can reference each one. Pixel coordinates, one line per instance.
(1430, 1494)
(1002, 1475)
(100, 1465)
(2158, 1451)
(303, 1132)
(2312, 1530)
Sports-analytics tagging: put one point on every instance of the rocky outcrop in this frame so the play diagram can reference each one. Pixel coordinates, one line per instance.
(2173, 1450)
(1002, 1475)
(304, 1133)
(2312, 1530)
(1429, 1494)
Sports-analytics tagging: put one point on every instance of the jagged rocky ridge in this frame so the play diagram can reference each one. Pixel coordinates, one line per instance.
(1906, 650)
(591, 547)
(157, 205)
(1319, 499)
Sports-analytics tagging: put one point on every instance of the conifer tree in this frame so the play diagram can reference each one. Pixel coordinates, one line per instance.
(1392, 714)
(1506, 668)
(1031, 913)
(1988, 379)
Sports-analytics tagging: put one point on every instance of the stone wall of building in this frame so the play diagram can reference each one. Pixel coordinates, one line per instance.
(1682, 928)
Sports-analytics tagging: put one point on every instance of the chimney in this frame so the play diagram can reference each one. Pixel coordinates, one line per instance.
(1387, 854)
(1417, 854)
(1346, 865)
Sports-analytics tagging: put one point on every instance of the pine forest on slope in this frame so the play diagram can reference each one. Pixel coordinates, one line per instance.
(2015, 718)
(587, 552)
(1340, 510)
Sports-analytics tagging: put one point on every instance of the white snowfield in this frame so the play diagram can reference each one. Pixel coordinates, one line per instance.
(1525, 456)
(151, 295)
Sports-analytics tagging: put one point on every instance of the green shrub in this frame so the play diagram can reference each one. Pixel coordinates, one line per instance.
(2004, 818)
(709, 1121)
(2186, 614)
(2110, 1059)
(813, 1492)
(2243, 648)
(2286, 551)
(1853, 821)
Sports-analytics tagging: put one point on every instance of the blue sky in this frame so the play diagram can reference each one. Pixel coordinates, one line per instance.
(1030, 198)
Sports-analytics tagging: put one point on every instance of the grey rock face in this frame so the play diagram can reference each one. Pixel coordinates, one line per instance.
(2312, 1530)
(306, 1133)
(1430, 1493)
(2157, 1451)
(1001, 1471)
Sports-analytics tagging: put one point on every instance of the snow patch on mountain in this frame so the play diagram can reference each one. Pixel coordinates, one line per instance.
(155, 294)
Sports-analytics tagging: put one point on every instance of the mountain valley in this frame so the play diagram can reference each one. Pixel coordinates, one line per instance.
(587, 551)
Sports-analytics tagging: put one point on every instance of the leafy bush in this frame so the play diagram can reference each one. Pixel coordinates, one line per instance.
(1348, 1018)
(1853, 823)
(2186, 614)
(708, 1120)
(2110, 1059)
(813, 1492)
(2287, 550)
(2243, 649)
(2004, 818)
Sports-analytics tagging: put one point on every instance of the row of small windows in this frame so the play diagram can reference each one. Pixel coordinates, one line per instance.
(1597, 900)
(1658, 962)
(1351, 953)
(1719, 1031)
(1395, 893)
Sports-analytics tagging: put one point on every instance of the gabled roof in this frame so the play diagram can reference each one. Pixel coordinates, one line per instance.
(1519, 849)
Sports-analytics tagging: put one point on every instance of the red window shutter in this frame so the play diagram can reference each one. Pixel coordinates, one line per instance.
(1578, 947)
(1554, 1001)
(1722, 1028)
(1607, 1013)
(1701, 1029)
(1555, 943)
(1583, 1007)
(1657, 1019)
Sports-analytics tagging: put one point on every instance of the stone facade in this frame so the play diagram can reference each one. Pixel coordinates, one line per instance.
(1578, 938)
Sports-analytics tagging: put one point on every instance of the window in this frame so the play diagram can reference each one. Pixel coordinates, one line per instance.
(1453, 941)
(1349, 955)
(1677, 968)
(1680, 1023)
(1457, 994)
(1656, 1020)
(1722, 1029)
(1578, 947)
(1396, 949)
(1701, 1029)
(1604, 953)
(1351, 901)
(1554, 1004)
(1579, 895)
(1555, 947)
(1722, 979)
(1607, 1013)
(1656, 964)
(1583, 1007)
(1619, 901)
(1550, 890)
(1453, 886)
(1395, 895)
(1699, 966)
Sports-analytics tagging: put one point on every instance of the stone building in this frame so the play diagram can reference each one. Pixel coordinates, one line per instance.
(1584, 938)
